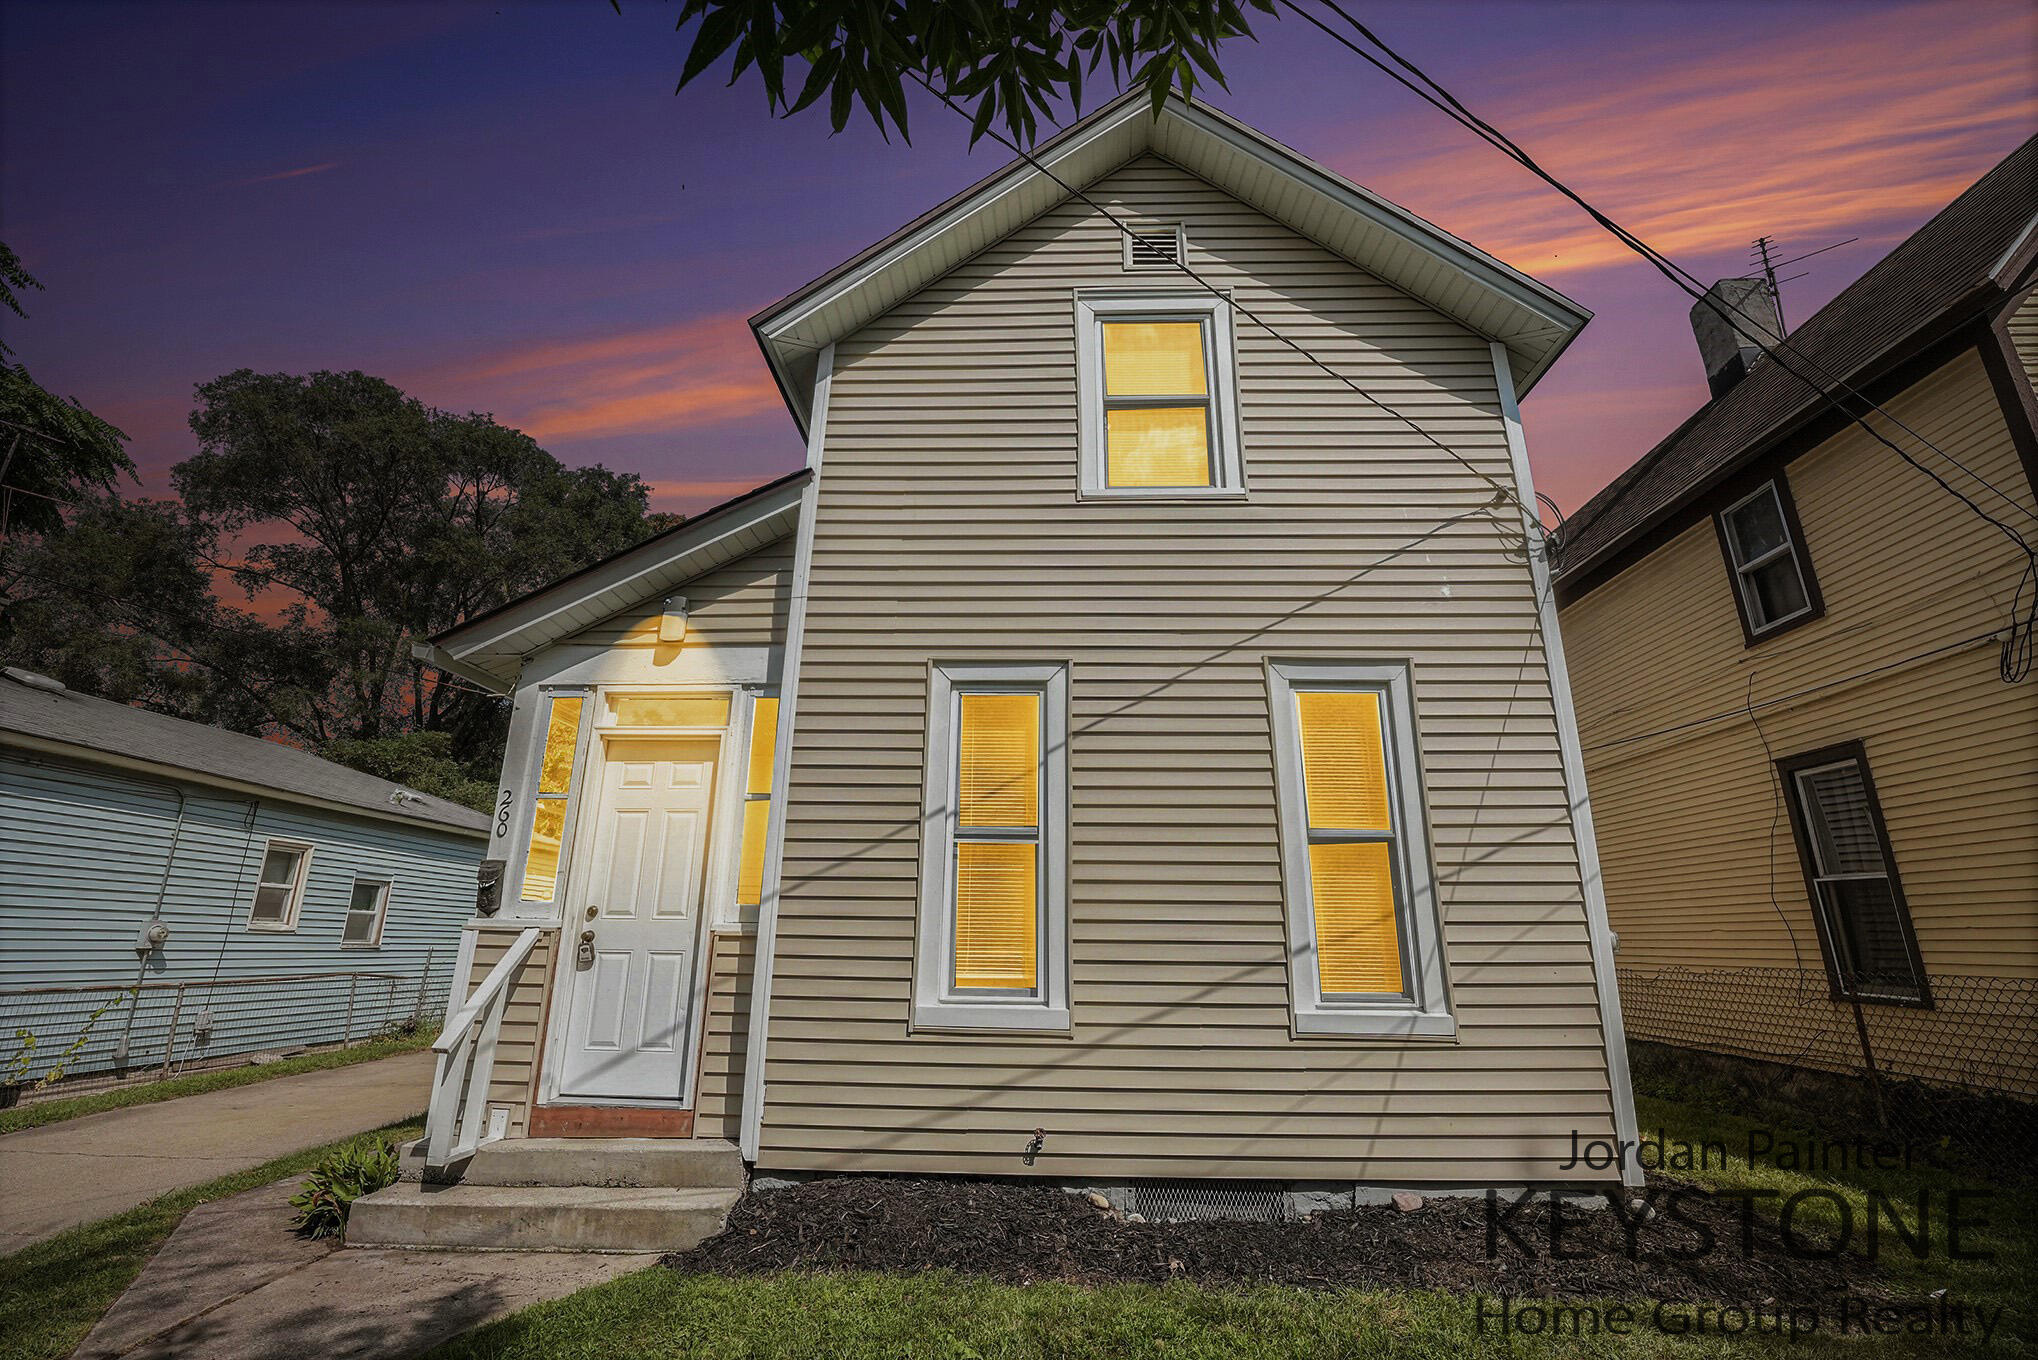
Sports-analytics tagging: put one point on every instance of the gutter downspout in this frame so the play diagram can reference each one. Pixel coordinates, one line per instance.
(781, 772)
(1572, 754)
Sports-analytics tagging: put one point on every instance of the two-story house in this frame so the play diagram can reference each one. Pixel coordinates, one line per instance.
(1134, 750)
(1817, 791)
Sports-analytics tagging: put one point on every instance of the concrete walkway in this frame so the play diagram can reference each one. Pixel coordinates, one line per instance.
(234, 1283)
(60, 1175)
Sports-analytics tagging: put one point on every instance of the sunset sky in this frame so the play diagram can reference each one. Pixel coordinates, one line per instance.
(505, 207)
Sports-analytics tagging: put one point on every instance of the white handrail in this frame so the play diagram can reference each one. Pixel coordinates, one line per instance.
(466, 1049)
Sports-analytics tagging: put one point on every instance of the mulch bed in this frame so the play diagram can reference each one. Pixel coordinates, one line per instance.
(1023, 1234)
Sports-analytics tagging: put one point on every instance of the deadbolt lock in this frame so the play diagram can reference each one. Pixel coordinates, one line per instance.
(593, 912)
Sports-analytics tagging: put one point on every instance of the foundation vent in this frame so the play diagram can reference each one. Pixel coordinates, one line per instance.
(1186, 1200)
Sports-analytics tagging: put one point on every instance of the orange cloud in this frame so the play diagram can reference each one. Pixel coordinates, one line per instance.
(1701, 154)
(320, 168)
(697, 373)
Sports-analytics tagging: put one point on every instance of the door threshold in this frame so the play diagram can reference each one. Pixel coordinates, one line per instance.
(609, 1121)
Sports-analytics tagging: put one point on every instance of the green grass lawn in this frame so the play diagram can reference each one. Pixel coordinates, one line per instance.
(658, 1313)
(52, 1293)
(70, 1107)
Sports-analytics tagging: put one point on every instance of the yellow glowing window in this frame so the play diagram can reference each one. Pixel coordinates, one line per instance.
(757, 800)
(548, 802)
(997, 841)
(669, 710)
(1156, 404)
(1351, 842)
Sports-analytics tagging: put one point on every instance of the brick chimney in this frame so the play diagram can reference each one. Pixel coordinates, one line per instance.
(1729, 344)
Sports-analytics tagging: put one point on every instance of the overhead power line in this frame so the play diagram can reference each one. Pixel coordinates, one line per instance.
(2017, 643)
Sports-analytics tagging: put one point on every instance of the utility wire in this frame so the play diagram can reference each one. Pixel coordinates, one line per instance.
(1502, 491)
(2017, 644)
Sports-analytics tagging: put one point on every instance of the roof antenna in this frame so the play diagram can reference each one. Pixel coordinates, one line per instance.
(1760, 250)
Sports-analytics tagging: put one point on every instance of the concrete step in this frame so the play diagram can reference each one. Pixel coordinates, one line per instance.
(538, 1217)
(666, 1163)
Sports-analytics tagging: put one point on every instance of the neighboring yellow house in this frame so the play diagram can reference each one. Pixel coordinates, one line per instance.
(1127, 753)
(1787, 652)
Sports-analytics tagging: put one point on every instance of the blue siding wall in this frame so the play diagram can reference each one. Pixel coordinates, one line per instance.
(82, 857)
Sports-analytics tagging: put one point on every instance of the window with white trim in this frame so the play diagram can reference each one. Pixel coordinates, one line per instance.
(366, 908)
(757, 802)
(1157, 393)
(1772, 576)
(993, 939)
(279, 892)
(551, 793)
(1365, 945)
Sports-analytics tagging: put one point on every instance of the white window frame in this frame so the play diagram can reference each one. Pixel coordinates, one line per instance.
(1423, 1011)
(1220, 377)
(1744, 571)
(374, 940)
(295, 903)
(1135, 264)
(937, 1005)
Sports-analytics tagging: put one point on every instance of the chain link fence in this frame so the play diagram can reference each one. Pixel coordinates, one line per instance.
(1960, 1074)
(93, 1037)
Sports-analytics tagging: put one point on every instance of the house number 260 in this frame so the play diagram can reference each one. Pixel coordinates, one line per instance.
(502, 813)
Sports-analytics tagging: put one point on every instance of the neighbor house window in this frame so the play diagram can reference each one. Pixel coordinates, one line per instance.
(1850, 873)
(280, 891)
(757, 800)
(993, 947)
(1365, 949)
(1772, 574)
(1158, 402)
(365, 910)
(549, 799)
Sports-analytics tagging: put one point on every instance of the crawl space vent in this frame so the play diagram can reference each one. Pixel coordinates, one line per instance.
(1154, 249)
(1184, 1201)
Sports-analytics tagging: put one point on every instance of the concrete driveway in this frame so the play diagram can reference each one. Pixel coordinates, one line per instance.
(60, 1175)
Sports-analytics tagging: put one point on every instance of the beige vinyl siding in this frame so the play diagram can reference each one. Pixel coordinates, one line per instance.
(513, 1079)
(741, 604)
(1690, 821)
(948, 529)
(725, 1030)
(2023, 328)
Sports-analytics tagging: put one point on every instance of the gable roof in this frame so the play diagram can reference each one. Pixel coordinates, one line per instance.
(70, 723)
(1534, 320)
(490, 648)
(1954, 269)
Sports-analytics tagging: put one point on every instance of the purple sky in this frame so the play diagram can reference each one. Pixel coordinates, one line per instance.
(506, 208)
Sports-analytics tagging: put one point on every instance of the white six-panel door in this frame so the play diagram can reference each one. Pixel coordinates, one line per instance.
(629, 1025)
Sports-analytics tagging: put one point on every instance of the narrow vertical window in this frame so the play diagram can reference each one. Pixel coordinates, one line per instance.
(757, 800)
(1773, 584)
(1158, 415)
(366, 909)
(1366, 948)
(549, 799)
(1850, 872)
(993, 928)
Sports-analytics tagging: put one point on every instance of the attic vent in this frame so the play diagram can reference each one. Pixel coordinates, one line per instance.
(1162, 249)
(1185, 1200)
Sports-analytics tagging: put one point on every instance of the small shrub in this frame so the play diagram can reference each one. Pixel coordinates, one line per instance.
(335, 1183)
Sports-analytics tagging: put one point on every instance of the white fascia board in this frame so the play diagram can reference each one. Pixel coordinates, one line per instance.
(440, 659)
(1571, 754)
(626, 573)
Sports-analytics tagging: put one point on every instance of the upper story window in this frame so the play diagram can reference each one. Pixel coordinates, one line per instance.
(1159, 410)
(1772, 573)
(993, 941)
(1365, 952)
(279, 893)
(1850, 872)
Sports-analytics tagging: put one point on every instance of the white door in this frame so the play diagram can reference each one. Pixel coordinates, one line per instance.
(629, 1022)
